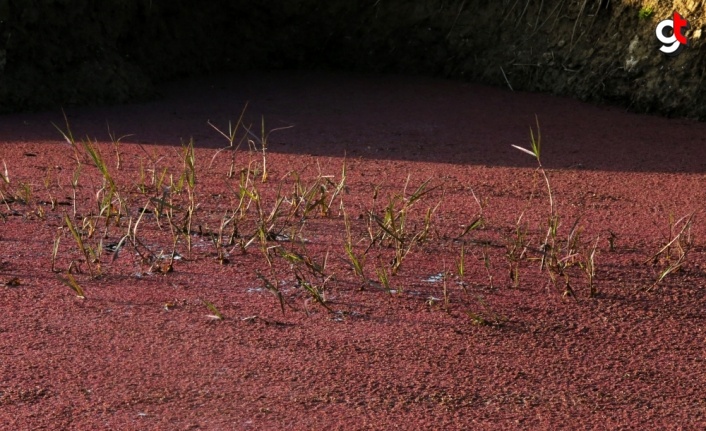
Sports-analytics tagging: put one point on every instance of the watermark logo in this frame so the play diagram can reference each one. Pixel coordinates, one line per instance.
(671, 33)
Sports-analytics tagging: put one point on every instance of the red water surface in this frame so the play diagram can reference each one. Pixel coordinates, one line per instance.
(141, 352)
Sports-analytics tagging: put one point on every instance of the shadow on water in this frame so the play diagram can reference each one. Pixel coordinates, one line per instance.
(390, 117)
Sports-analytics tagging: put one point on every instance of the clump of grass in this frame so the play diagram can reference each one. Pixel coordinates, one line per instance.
(357, 261)
(551, 260)
(146, 255)
(218, 239)
(338, 188)
(22, 193)
(88, 253)
(5, 177)
(321, 194)
(548, 247)
(108, 194)
(557, 256)
(187, 181)
(384, 278)
(645, 12)
(262, 141)
(231, 137)
(559, 266)
(142, 185)
(393, 226)
(589, 268)
(266, 223)
(188, 175)
(311, 275)
(116, 147)
(676, 250)
(485, 316)
(316, 292)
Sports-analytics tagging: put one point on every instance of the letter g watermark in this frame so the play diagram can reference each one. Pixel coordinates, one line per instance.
(671, 33)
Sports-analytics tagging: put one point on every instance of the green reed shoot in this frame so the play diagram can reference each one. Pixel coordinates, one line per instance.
(215, 313)
(447, 300)
(316, 292)
(515, 249)
(87, 252)
(74, 185)
(357, 262)
(5, 176)
(71, 282)
(3, 187)
(274, 289)
(262, 140)
(338, 189)
(55, 249)
(109, 189)
(590, 269)
(116, 146)
(479, 221)
(487, 265)
(231, 137)
(392, 226)
(384, 278)
(69, 138)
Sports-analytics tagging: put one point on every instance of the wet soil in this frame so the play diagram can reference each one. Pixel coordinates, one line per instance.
(426, 352)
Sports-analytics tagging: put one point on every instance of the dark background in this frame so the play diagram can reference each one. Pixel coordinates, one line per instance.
(58, 53)
(68, 52)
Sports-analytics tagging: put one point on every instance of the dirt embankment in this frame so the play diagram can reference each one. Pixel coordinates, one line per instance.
(594, 50)
(598, 50)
